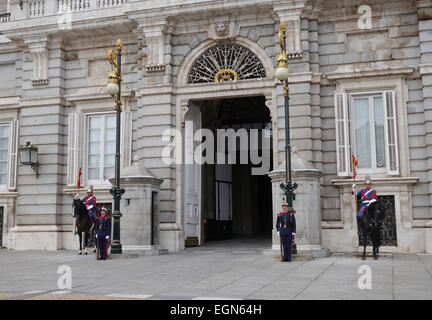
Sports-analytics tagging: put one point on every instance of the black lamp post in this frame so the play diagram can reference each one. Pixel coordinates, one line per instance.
(281, 73)
(114, 89)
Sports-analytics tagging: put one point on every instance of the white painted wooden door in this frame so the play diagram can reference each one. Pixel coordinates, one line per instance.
(192, 173)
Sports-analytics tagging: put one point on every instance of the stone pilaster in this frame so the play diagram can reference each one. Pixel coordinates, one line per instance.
(290, 14)
(39, 51)
(40, 222)
(157, 34)
(425, 37)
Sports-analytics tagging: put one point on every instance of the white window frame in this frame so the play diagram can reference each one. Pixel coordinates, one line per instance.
(370, 95)
(344, 167)
(12, 156)
(5, 185)
(78, 145)
(99, 181)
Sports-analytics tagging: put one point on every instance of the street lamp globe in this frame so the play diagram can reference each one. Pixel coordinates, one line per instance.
(112, 87)
(281, 73)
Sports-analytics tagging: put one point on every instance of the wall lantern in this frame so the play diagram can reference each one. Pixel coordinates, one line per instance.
(28, 155)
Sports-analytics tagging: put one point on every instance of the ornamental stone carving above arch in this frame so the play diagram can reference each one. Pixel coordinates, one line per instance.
(226, 62)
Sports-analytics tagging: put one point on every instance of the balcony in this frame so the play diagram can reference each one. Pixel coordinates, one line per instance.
(28, 9)
(5, 17)
(47, 17)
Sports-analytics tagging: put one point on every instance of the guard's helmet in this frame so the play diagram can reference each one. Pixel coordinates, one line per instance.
(90, 189)
(367, 180)
(104, 209)
(284, 203)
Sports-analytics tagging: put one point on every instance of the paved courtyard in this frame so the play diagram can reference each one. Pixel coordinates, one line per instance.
(232, 269)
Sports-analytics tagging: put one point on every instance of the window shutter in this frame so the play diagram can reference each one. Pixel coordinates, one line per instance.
(126, 139)
(392, 153)
(343, 146)
(71, 163)
(76, 146)
(81, 145)
(13, 155)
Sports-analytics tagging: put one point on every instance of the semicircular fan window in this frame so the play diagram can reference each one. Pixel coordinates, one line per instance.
(226, 62)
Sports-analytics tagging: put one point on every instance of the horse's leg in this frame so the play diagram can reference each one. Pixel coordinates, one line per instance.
(375, 243)
(85, 242)
(364, 243)
(80, 242)
(378, 242)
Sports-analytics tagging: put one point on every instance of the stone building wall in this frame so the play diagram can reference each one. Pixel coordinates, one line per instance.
(70, 77)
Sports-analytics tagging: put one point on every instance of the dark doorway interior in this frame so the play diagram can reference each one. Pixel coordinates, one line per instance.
(234, 202)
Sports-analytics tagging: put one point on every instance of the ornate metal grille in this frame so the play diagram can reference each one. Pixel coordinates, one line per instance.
(388, 228)
(226, 62)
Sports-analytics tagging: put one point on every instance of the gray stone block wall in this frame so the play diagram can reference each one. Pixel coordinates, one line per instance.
(425, 36)
(3, 6)
(155, 115)
(402, 48)
(417, 150)
(329, 193)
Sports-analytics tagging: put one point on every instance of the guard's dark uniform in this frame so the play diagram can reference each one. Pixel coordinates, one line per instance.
(286, 226)
(103, 229)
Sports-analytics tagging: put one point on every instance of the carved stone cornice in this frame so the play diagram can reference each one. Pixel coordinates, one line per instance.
(290, 13)
(155, 31)
(38, 47)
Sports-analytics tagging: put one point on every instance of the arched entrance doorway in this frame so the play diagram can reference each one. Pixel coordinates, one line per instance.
(225, 86)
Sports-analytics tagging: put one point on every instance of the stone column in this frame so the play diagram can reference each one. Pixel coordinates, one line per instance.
(306, 204)
(140, 211)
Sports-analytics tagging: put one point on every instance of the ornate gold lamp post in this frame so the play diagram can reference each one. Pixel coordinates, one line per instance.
(114, 89)
(281, 73)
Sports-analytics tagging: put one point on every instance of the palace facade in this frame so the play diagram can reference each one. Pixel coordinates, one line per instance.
(360, 83)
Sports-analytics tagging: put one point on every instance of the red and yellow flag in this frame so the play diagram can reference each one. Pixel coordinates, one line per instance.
(354, 160)
(79, 179)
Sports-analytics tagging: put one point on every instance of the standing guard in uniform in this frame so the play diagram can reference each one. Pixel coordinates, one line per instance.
(367, 195)
(286, 229)
(103, 231)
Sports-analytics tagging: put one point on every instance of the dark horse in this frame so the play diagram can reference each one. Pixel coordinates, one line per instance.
(370, 224)
(83, 223)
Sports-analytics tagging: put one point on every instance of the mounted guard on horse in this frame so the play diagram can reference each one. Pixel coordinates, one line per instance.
(90, 203)
(370, 216)
(85, 211)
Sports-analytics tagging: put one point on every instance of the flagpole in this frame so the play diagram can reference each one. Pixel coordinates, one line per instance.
(79, 181)
(354, 161)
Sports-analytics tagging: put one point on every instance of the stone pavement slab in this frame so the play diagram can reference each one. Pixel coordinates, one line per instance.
(233, 270)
